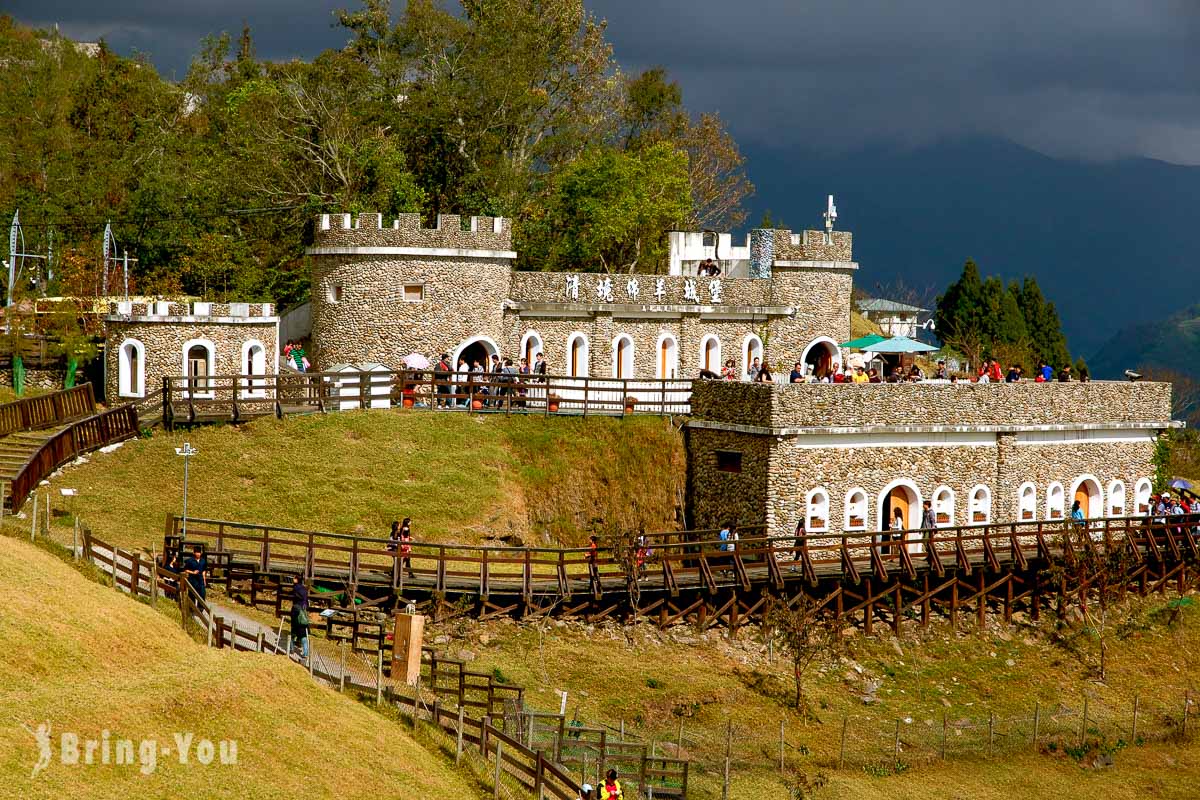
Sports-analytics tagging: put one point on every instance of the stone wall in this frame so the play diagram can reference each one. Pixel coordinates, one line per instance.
(163, 340)
(369, 230)
(48, 379)
(924, 404)
(716, 497)
(811, 246)
(552, 287)
(1002, 467)
(462, 298)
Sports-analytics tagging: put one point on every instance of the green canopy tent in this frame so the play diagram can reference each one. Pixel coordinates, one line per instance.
(863, 342)
(900, 345)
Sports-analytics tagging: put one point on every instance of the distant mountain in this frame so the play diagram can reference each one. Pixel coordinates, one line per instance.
(1112, 244)
(1172, 343)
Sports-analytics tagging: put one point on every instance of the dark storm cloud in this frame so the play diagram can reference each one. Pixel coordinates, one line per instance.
(1076, 78)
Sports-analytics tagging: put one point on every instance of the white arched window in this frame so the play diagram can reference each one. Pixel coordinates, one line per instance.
(1116, 499)
(1141, 493)
(531, 345)
(254, 367)
(816, 515)
(623, 357)
(199, 356)
(668, 357)
(577, 355)
(752, 348)
(1054, 501)
(980, 509)
(856, 511)
(943, 506)
(710, 353)
(131, 369)
(1026, 502)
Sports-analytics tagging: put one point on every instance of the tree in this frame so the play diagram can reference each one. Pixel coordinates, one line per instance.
(804, 634)
(609, 211)
(959, 309)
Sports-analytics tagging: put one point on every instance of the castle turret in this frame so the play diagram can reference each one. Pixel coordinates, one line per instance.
(381, 292)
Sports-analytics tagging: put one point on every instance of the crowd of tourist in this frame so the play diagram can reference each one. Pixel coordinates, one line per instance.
(989, 372)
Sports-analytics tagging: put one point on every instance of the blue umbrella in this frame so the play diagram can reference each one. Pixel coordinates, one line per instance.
(1180, 483)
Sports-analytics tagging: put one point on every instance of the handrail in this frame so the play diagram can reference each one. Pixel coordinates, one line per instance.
(86, 434)
(694, 558)
(47, 410)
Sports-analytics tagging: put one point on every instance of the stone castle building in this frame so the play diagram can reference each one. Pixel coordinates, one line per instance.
(146, 342)
(842, 458)
(382, 291)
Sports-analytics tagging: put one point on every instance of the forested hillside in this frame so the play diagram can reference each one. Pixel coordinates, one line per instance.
(506, 107)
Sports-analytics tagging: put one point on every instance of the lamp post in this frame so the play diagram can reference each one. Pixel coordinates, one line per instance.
(187, 451)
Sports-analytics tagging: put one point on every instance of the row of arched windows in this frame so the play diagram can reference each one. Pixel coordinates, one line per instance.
(710, 355)
(198, 359)
(903, 497)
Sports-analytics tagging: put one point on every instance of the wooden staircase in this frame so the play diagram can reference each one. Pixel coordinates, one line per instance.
(16, 450)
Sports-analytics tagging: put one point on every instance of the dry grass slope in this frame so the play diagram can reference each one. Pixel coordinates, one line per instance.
(74, 653)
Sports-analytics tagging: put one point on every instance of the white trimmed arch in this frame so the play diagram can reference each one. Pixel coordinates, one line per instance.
(192, 348)
(710, 352)
(855, 516)
(254, 366)
(914, 498)
(578, 355)
(823, 342)
(489, 344)
(531, 345)
(1090, 484)
(1141, 493)
(816, 510)
(752, 348)
(1027, 502)
(943, 506)
(622, 356)
(666, 356)
(1116, 499)
(1055, 501)
(131, 369)
(979, 508)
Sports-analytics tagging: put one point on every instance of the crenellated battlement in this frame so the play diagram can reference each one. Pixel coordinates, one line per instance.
(813, 246)
(197, 311)
(370, 230)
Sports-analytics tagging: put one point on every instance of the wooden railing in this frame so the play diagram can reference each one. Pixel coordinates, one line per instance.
(236, 397)
(47, 410)
(672, 560)
(79, 437)
(500, 727)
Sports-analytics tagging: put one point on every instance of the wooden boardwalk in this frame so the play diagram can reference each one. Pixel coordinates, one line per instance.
(687, 575)
(237, 398)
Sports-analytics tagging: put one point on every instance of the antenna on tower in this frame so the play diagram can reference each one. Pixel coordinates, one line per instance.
(110, 256)
(17, 256)
(830, 217)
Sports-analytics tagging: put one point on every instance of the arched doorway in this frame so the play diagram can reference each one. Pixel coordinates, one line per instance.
(623, 357)
(668, 357)
(903, 496)
(822, 357)
(531, 345)
(1086, 492)
(478, 348)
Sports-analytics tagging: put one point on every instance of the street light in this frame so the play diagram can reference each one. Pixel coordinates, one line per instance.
(186, 451)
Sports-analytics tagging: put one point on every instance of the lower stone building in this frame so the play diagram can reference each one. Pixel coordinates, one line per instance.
(845, 458)
(146, 342)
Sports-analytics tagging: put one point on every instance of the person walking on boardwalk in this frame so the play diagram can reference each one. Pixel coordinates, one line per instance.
(610, 788)
(406, 546)
(299, 644)
(194, 567)
(394, 536)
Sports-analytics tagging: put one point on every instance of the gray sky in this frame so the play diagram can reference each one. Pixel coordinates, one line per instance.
(1093, 79)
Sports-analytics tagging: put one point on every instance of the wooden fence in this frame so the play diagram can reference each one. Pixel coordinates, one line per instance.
(472, 706)
(47, 410)
(81, 436)
(232, 398)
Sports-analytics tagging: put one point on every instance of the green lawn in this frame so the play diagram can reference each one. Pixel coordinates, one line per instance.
(461, 478)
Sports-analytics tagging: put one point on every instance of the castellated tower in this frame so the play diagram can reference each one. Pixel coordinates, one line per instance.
(812, 272)
(381, 292)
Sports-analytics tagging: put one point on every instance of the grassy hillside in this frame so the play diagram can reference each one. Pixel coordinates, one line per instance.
(87, 660)
(654, 680)
(459, 477)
